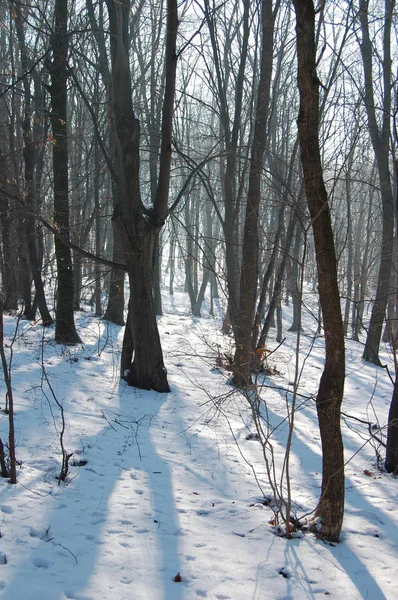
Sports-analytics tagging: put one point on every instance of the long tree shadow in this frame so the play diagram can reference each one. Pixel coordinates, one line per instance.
(162, 515)
(116, 526)
(92, 525)
(350, 561)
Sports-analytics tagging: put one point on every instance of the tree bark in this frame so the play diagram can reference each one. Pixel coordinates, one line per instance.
(30, 152)
(115, 307)
(391, 462)
(330, 394)
(137, 226)
(380, 137)
(277, 291)
(243, 322)
(9, 280)
(65, 331)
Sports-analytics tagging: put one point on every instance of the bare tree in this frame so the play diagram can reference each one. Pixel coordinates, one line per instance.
(31, 147)
(243, 325)
(138, 225)
(380, 137)
(331, 388)
(65, 330)
(115, 307)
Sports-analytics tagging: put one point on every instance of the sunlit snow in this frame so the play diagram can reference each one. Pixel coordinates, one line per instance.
(169, 488)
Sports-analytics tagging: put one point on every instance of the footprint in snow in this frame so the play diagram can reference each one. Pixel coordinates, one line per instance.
(34, 533)
(114, 531)
(130, 504)
(6, 509)
(41, 563)
(97, 521)
(141, 530)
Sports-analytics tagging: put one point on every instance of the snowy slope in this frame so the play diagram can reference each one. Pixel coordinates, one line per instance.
(168, 486)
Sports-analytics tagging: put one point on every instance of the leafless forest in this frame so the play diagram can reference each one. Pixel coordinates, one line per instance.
(243, 149)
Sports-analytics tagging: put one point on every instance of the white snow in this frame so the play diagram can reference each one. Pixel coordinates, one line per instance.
(169, 488)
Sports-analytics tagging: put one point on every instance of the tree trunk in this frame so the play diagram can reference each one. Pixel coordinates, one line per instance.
(24, 274)
(277, 291)
(142, 361)
(9, 280)
(157, 278)
(266, 279)
(136, 225)
(330, 394)
(243, 323)
(65, 331)
(381, 145)
(293, 281)
(391, 463)
(115, 307)
(10, 404)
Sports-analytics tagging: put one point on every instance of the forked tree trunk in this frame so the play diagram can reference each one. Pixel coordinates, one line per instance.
(137, 226)
(142, 359)
(330, 394)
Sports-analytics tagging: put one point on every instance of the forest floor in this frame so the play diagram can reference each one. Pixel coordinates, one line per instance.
(167, 484)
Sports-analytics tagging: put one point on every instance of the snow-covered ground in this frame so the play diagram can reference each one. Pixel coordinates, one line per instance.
(169, 487)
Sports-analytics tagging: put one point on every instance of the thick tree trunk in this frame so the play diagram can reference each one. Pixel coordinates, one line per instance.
(137, 226)
(330, 394)
(391, 463)
(65, 331)
(157, 278)
(142, 364)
